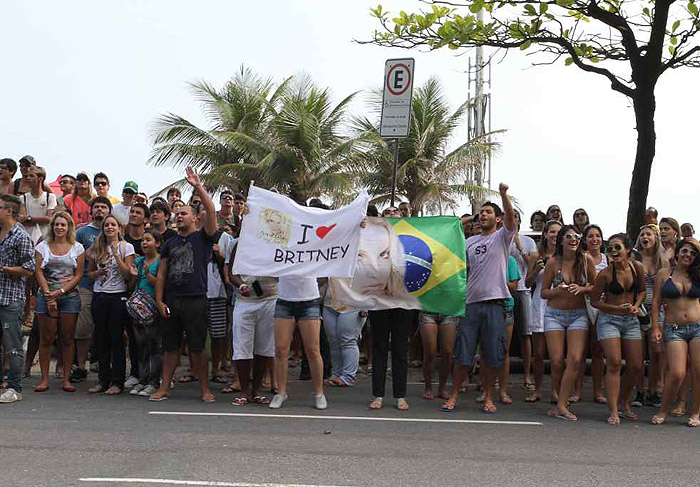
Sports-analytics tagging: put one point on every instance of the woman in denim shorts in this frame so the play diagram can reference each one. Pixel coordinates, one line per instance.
(298, 302)
(622, 285)
(568, 276)
(59, 267)
(679, 288)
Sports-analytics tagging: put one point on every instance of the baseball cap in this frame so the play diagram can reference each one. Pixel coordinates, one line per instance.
(131, 186)
(27, 161)
(81, 176)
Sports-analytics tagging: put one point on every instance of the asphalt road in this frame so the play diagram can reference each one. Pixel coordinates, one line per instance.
(57, 439)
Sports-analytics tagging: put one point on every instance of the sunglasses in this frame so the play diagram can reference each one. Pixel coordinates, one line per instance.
(227, 198)
(572, 236)
(101, 183)
(65, 181)
(579, 214)
(693, 253)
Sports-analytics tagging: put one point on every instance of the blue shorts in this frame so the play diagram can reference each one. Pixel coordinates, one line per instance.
(298, 310)
(67, 304)
(681, 333)
(485, 321)
(616, 326)
(556, 319)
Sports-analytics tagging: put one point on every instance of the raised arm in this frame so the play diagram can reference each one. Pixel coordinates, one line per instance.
(210, 225)
(508, 214)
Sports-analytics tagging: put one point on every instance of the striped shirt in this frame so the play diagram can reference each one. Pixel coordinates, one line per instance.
(16, 250)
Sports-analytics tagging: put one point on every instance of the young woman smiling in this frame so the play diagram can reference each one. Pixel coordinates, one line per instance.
(679, 288)
(535, 274)
(567, 278)
(110, 266)
(592, 244)
(652, 258)
(618, 292)
(59, 268)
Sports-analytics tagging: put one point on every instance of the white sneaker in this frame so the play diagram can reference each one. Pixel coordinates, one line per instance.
(131, 382)
(147, 390)
(10, 395)
(277, 401)
(136, 389)
(320, 402)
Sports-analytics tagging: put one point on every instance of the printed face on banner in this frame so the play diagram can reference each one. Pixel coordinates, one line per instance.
(274, 227)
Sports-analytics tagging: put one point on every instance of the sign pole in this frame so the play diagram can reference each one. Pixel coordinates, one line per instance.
(394, 169)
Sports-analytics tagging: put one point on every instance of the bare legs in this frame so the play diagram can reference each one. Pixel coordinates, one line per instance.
(48, 327)
(575, 348)
(430, 332)
(538, 342)
(619, 396)
(310, 332)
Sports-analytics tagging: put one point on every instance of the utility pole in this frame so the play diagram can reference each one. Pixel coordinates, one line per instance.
(479, 119)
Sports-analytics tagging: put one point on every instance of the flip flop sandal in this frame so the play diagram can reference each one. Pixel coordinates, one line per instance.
(229, 390)
(68, 389)
(260, 400)
(506, 399)
(613, 421)
(208, 399)
(601, 400)
(240, 401)
(488, 409)
(566, 416)
(41, 388)
(158, 398)
(186, 378)
(693, 423)
(574, 399)
(218, 379)
(657, 420)
(532, 398)
(448, 408)
(629, 415)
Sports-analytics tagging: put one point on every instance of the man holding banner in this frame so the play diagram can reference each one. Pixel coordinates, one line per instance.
(487, 256)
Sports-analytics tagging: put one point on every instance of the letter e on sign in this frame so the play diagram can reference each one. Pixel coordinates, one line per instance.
(396, 102)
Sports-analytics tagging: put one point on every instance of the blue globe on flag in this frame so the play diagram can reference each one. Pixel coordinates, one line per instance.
(419, 262)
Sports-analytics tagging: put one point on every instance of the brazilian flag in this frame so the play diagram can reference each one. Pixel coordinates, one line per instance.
(436, 271)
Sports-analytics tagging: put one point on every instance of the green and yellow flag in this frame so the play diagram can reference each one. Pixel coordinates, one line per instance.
(436, 271)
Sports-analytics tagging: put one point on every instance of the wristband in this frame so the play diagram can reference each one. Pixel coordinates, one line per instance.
(63, 291)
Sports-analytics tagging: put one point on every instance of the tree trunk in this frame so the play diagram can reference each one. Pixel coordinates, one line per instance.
(644, 103)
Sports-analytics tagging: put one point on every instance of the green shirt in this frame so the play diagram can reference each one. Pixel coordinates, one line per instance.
(513, 274)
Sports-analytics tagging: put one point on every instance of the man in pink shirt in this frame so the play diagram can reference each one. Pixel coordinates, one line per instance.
(487, 257)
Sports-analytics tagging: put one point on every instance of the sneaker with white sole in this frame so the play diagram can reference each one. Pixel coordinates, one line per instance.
(136, 389)
(320, 402)
(131, 382)
(147, 390)
(277, 401)
(10, 395)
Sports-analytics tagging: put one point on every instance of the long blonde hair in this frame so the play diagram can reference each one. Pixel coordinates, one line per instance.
(100, 249)
(70, 236)
(657, 254)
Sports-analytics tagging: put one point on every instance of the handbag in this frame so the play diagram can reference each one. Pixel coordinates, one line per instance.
(590, 310)
(141, 306)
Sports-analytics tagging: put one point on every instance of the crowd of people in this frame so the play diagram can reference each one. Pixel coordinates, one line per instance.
(93, 278)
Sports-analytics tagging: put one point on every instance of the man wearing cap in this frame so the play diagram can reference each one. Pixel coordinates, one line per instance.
(122, 210)
(21, 185)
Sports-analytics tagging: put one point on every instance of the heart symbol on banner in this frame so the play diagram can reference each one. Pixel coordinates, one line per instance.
(323, 231)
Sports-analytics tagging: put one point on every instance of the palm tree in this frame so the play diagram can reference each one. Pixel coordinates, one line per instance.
(430, 178)
(287, 137)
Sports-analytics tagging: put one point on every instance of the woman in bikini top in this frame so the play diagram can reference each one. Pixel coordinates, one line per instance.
(679, 288)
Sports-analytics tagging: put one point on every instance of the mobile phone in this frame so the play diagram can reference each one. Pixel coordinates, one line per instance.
(257, 288)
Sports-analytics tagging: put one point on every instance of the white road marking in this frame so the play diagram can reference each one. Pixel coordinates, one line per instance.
(192, 482)
(351, 418)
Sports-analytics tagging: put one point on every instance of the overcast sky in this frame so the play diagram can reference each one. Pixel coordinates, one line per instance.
(83, 81)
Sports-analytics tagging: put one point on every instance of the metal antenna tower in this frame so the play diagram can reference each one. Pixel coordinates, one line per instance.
(479, 118)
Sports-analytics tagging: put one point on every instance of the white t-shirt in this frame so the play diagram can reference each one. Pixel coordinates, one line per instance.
(215, 284)
(114, 282)
(298, 289)
(59, 269)
(529, 246)
(38, 207)
(121, 212)
(488, 265)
